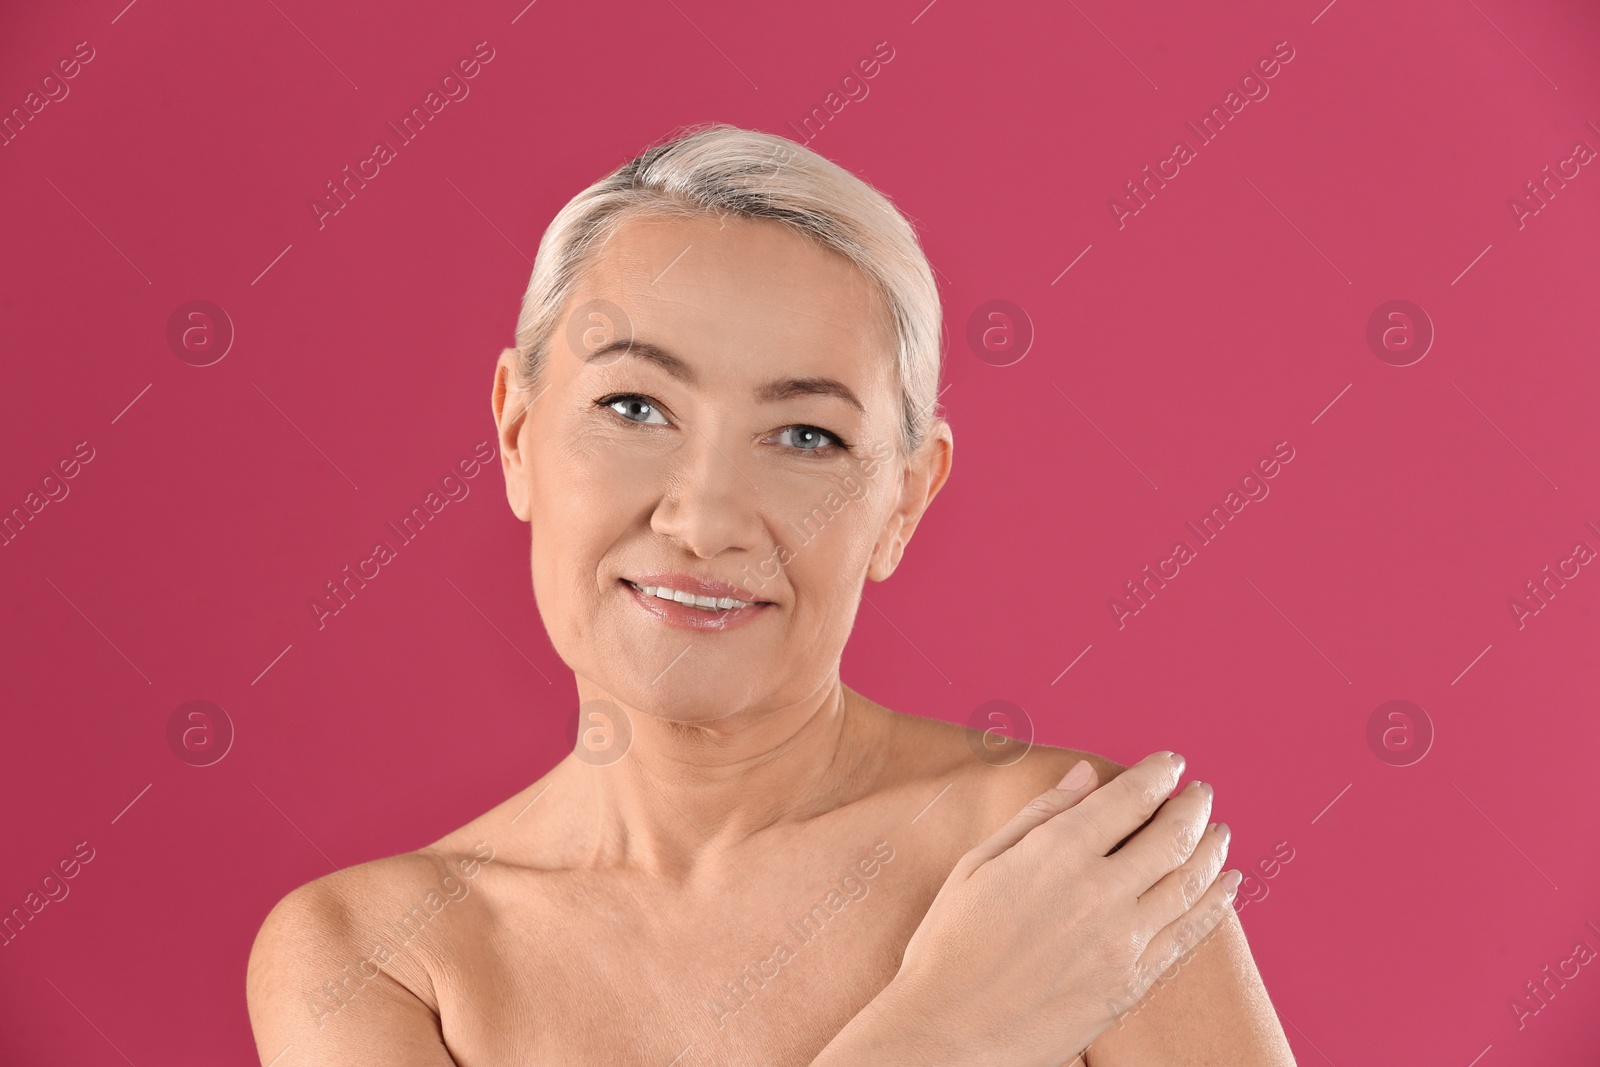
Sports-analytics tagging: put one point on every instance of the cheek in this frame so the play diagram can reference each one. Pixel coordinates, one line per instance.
(581, 505)
(831, 544)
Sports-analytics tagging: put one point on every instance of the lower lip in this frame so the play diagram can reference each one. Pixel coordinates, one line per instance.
(686, 618)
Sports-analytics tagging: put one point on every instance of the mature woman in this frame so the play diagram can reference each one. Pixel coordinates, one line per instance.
(718, 422)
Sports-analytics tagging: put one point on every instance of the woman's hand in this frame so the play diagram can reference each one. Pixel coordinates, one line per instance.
(1060, 922)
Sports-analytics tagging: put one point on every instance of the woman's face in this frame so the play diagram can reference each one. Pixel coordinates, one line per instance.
(744, 431)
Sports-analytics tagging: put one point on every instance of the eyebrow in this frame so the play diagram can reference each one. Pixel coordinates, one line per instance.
(767, 392)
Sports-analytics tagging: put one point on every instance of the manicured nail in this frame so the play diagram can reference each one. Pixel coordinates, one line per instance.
(1231, 880)
(1077, 777)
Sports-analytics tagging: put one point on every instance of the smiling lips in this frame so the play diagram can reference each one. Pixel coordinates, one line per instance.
(705, 603)
(691, 603)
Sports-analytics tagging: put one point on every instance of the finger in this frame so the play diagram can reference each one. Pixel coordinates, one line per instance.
(1177, 893)
(1039, 810)
(1178, 939)
(1167, 841)
(1119, 807)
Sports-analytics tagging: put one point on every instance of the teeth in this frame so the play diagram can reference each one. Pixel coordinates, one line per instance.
(705, 603)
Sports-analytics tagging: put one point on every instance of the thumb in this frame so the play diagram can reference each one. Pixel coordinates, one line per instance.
(1078, 783)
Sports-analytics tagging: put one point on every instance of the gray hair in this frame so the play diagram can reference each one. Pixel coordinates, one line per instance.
(719, 169)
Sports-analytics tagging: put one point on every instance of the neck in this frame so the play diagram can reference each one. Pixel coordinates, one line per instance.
(687, 792)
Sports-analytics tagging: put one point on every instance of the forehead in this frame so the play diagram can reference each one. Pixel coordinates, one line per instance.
(743, 298)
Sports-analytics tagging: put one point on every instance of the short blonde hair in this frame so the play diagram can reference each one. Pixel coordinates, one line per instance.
(719, 169)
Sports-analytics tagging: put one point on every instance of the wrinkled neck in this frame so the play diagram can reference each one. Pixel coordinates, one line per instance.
(685, 794)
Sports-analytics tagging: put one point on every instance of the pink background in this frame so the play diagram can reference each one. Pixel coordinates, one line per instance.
(1224, 317)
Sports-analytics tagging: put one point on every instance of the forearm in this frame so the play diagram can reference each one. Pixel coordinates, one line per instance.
(885, 1033)
(894, 1030)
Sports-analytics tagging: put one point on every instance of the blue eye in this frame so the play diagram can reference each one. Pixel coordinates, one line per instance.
(809, 438)
(630, 405)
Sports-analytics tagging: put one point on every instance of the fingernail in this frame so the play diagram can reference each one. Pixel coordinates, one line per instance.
(1077, 777)
(1231, 880)
(1179, 762)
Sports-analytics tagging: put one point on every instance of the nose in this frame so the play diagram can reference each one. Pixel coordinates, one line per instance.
(711, 501)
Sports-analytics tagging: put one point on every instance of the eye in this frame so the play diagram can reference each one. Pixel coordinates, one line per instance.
(812, 439)
(634, 408)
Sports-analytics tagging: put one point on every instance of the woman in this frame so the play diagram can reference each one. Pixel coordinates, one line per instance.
(719, 422)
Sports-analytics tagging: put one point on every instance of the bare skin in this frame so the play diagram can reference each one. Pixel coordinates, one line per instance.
(738, 880)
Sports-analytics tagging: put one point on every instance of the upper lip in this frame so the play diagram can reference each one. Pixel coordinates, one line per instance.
(707, 587)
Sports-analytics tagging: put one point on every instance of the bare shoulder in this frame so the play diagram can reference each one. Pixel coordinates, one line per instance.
(345, 965)
(402, 904)
(1011, 785)
(1045, 765)
(1005, 779)
(332, 918)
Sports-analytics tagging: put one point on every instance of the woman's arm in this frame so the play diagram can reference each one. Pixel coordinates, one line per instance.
(314, 992)
(880, 1034)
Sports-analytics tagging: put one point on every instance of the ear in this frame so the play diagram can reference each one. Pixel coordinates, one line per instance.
(510, 415)
(920, 481)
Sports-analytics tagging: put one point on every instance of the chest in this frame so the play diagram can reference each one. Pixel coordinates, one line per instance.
(764, 970)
